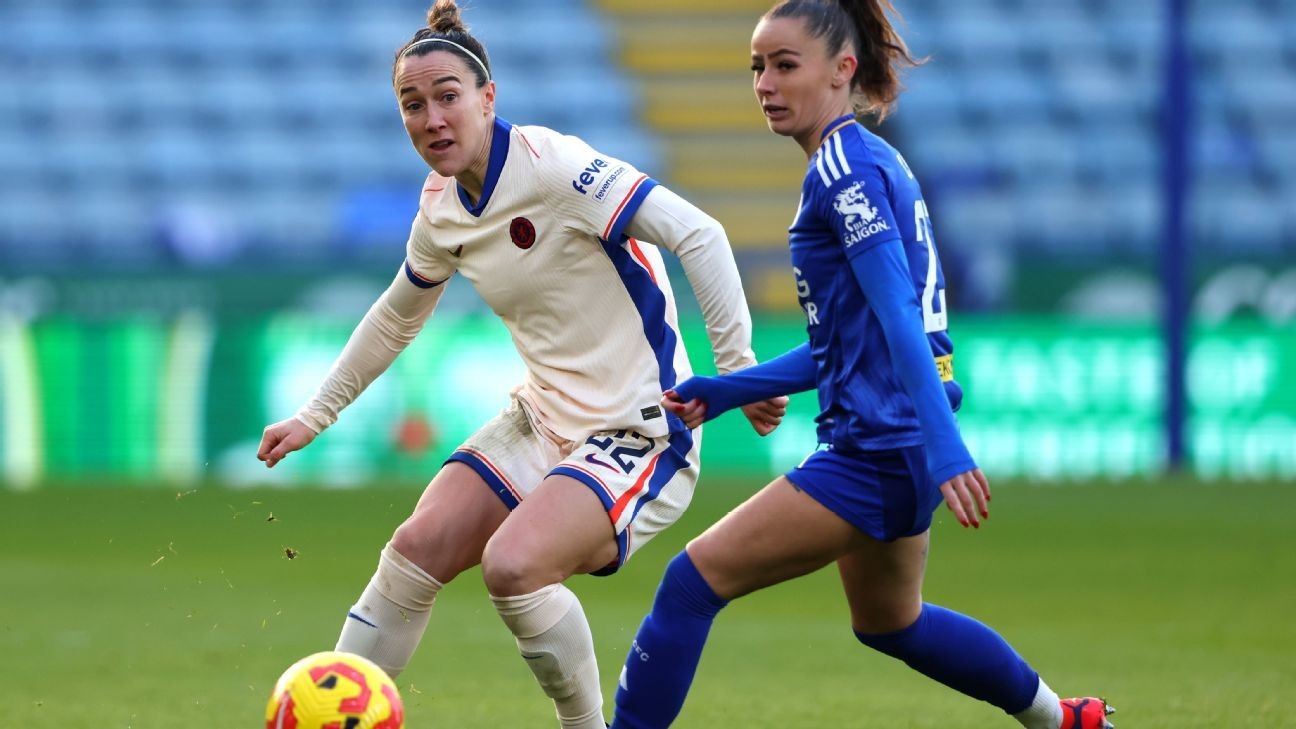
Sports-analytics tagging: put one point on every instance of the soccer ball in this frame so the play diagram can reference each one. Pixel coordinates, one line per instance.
(333, 690)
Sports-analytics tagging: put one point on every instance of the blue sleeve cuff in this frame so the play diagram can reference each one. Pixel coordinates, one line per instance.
(787, 374)
(420, 281)
(629, 206)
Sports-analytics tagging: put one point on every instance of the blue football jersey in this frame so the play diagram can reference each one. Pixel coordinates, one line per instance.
(858, 193)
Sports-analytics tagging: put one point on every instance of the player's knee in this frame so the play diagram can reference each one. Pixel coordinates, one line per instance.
(508, 572)
(883, 617)
(427, 549)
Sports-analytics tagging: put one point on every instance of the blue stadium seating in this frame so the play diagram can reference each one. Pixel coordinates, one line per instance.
(274, 120)
(1035, 124)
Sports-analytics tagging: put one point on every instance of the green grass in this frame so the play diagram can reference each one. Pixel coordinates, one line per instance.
(135, 608)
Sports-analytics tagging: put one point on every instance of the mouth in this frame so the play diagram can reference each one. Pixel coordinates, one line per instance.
(441, 146)
(773, 112)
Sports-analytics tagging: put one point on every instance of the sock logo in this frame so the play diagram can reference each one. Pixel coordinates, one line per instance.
(639, 652)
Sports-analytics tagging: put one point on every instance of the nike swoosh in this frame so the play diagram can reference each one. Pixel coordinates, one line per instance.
(456, 252)
(589, 457)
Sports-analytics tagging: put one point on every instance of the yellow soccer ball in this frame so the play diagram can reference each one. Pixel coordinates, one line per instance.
(334, 690)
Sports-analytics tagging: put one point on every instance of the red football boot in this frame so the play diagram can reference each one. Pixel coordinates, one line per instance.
(1087, 713)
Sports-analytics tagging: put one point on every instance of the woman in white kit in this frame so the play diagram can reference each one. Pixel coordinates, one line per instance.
(585, 466)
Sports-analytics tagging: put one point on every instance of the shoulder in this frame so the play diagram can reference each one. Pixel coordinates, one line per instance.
(551, 148)
(851, 159)
(436, 189)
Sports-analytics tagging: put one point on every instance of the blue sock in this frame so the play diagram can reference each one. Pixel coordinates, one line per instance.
(667, 648)
(963, 654)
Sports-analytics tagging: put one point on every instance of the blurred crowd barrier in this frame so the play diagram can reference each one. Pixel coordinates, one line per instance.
(176, 400)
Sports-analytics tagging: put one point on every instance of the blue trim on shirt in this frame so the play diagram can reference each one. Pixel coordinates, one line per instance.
(418, 280)
(499, 153)
(650, 302)
(833, 125)
(617, 232)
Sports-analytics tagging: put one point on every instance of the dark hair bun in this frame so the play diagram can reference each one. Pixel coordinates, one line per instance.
(445, 17)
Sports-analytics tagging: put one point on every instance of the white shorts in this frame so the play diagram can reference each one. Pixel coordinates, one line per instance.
(644, 483)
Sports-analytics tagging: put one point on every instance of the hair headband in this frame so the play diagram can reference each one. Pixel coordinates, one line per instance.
(456, 45)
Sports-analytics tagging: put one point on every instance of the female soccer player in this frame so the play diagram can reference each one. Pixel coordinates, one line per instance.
(870, 283)
(585, 466)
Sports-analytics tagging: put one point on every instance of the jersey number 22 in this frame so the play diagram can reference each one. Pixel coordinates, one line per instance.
(935, 318)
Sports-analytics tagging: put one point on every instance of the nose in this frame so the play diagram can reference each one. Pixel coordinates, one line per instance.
(433, 120)
(764, 85)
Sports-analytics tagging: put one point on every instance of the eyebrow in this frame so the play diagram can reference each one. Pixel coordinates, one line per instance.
(438, 82)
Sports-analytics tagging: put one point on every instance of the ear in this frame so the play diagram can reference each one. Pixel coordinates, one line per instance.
(488, 98)
(844, 71)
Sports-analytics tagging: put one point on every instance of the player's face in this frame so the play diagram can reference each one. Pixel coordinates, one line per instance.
(447, 117)
(799, 86)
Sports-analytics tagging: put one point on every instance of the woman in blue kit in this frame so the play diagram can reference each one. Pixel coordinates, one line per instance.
(870, 283)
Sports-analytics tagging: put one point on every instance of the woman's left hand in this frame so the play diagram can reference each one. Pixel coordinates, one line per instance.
(968, 496)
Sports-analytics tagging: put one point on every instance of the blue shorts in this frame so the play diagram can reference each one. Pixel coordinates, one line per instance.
(885, 494)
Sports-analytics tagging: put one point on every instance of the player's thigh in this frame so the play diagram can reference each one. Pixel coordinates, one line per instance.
(560, 529)
(485, 477)
(777, 535)
(450, 525)
(645, 483)
(883, 582)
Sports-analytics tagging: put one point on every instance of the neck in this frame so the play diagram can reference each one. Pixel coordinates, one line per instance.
(473, 179)
(814, 137)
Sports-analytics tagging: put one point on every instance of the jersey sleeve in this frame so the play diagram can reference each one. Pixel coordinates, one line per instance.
(857, 204)
(592, 192)
(425, 266)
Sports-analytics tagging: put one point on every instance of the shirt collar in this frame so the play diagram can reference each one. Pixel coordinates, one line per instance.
(498, 154)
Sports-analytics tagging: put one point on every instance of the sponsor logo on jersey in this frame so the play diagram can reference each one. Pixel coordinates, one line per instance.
(650, 412)
(523, 233)
(589, 176)
(607, 183)
(861, 217)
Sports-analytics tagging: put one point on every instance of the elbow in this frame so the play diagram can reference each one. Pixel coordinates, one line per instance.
(706, 232)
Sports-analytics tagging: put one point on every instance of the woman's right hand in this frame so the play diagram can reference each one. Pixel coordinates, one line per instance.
(282, 438)
(692, 412)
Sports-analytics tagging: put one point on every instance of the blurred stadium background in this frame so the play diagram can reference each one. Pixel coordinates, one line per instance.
(198, 201)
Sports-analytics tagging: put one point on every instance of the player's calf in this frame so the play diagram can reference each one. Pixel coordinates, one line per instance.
(386, 624)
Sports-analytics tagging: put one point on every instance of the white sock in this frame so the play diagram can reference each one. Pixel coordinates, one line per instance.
(1045, 712)
(388, 621)
(554, 638)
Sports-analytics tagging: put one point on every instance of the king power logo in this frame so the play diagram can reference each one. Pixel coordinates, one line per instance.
(862, 219)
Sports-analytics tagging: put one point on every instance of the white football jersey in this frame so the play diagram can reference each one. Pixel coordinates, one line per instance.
(590, 310)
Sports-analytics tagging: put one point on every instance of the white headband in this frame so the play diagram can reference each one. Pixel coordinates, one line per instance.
(456, 45)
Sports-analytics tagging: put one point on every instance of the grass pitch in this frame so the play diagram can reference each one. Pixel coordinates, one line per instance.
(148, 609)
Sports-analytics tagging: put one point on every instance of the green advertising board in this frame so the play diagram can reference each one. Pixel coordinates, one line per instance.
(182, 399)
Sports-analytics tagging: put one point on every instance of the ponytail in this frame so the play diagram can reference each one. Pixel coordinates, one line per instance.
(864, 27)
